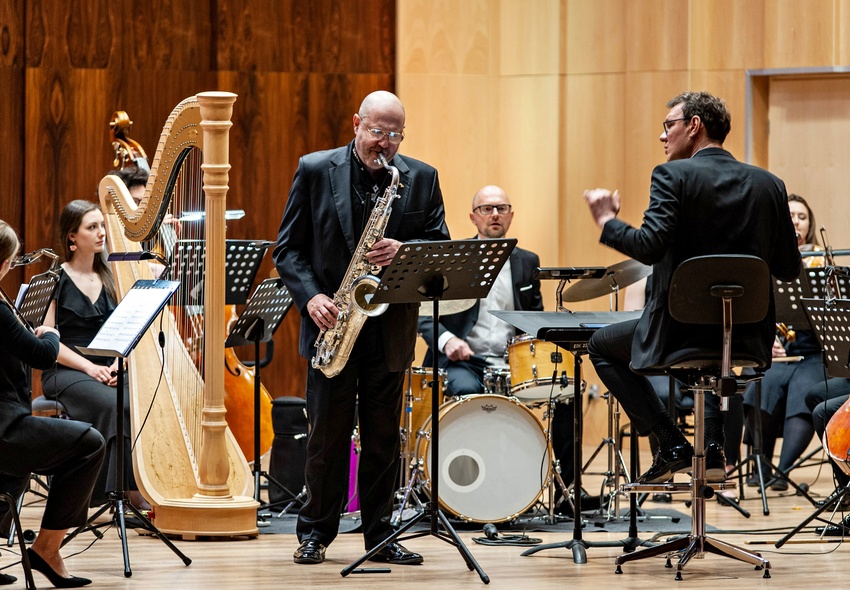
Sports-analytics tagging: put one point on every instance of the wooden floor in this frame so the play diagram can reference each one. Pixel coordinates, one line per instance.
(266, 562)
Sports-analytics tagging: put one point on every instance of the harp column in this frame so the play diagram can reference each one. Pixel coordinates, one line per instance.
(216, 112)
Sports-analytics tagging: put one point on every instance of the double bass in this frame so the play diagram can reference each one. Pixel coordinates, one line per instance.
(238, 378)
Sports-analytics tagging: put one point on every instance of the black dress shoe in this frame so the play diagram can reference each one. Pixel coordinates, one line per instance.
(42, 567)
(842, 529)
(667, 462)
(310, 551)
(397, 554)
(6, 579)
(715, 463)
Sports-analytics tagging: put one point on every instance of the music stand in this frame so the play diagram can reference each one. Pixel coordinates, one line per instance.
(572, 331)
(787, 297)
(36, 300)
(435, 271)
(118, 336)
(242, 261)
(831, 321)
(258, 322)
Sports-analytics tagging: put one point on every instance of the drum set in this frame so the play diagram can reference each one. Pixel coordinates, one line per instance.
(496, 452)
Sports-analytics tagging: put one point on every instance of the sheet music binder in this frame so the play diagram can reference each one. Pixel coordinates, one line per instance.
(37, 298)
(131, 318)
(243, 258)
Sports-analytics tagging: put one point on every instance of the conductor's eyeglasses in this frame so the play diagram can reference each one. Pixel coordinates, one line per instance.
(666, 124)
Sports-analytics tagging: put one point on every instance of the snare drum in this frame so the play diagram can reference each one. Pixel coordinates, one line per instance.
(495, 460)
(533, 363)
(417, 400)
(497, 381)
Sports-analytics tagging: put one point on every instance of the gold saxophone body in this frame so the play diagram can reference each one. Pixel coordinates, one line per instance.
(353, 298)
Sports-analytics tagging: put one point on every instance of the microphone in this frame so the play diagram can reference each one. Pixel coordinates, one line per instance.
(490, 531)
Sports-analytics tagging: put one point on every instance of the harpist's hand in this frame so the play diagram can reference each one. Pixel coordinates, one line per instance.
(100, 373)
(42, 330)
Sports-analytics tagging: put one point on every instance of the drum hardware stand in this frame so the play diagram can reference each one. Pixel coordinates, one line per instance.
(835, 311)
(435, 271)
(258, 322)
(117, 338)
(616, 462)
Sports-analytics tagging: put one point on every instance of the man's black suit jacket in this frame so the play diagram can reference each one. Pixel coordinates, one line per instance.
(526, 298)
(317, 239)
(707, 204)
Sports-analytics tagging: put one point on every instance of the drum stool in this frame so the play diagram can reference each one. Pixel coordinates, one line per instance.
(702, 290)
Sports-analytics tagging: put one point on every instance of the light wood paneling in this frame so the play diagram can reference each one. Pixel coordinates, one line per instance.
(657, 35)
(842, 32)
(729, 85)
(726, 34)
(596, 35)
(529, 40)
(444, 37)
(809, 125)
(799, 34)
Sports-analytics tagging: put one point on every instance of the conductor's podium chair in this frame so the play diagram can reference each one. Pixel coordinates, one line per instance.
(722, 290)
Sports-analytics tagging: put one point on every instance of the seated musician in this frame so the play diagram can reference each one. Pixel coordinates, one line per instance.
(69, 451)
(785, 384)
(474, 339)
(702, 202)
(82, 302)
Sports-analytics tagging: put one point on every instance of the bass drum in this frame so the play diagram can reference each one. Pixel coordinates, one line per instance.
(495, 460)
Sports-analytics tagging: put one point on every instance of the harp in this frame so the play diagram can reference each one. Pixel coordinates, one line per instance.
(185, 459)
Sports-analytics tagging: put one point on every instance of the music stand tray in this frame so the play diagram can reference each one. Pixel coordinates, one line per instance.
(259, 320)
(435, 271)
(831, 322)
(121, 332)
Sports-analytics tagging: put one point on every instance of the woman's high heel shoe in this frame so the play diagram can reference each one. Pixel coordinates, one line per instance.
(42, 567)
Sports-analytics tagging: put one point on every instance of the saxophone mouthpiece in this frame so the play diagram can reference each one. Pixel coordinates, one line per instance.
(382, 160)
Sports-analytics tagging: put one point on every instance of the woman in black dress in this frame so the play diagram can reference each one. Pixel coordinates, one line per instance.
(84, 299)
(70, 451)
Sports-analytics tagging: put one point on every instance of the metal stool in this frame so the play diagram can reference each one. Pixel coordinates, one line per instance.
(702, 291)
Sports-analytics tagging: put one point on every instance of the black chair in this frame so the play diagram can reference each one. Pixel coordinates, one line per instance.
(22, 543)
(702, 292)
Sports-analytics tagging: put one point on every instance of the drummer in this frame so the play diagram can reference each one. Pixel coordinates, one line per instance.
(473, 340)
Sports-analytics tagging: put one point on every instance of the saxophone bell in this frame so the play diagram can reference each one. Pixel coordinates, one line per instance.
(362, 291)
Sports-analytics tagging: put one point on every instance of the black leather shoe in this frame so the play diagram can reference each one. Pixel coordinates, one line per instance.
(310, 551)
(842, 529)
(715, 463)
(397, 554)
(6, 579)
(667, 462)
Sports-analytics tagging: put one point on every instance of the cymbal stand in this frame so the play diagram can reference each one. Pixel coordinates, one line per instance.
(616, 463)
(409, 468)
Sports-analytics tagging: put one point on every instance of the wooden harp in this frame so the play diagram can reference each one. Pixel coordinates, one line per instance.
(185, 459)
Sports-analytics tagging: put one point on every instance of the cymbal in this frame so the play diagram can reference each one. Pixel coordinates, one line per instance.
(619, 275)
(426, 308)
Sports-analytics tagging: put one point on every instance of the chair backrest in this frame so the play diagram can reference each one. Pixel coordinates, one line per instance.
(691, 300)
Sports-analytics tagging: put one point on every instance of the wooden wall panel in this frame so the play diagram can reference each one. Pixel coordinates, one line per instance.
(799, 34)
(842, 32)
(520, 23)
(596, 34)
(657, 37)
(726, 34)
(300, 69)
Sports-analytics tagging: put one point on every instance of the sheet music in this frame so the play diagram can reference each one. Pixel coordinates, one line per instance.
(131, 318)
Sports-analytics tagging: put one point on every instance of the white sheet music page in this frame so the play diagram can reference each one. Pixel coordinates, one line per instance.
(131, 318)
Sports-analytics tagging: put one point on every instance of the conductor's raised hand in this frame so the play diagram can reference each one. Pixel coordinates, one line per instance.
(604, 205)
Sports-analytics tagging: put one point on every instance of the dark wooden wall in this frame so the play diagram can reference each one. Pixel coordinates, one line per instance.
(299, 67)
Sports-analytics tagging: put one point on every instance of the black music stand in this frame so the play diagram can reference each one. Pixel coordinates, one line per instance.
(439, 271)
(118, 336)
(36, 300)
(831, 321)
(572, 331)
(242, 261)
(258, 322)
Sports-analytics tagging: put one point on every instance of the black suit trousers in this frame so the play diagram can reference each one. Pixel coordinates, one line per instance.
(365, 391)
(610, 350)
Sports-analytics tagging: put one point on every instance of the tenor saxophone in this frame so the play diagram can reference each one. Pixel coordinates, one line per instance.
(353, 298)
